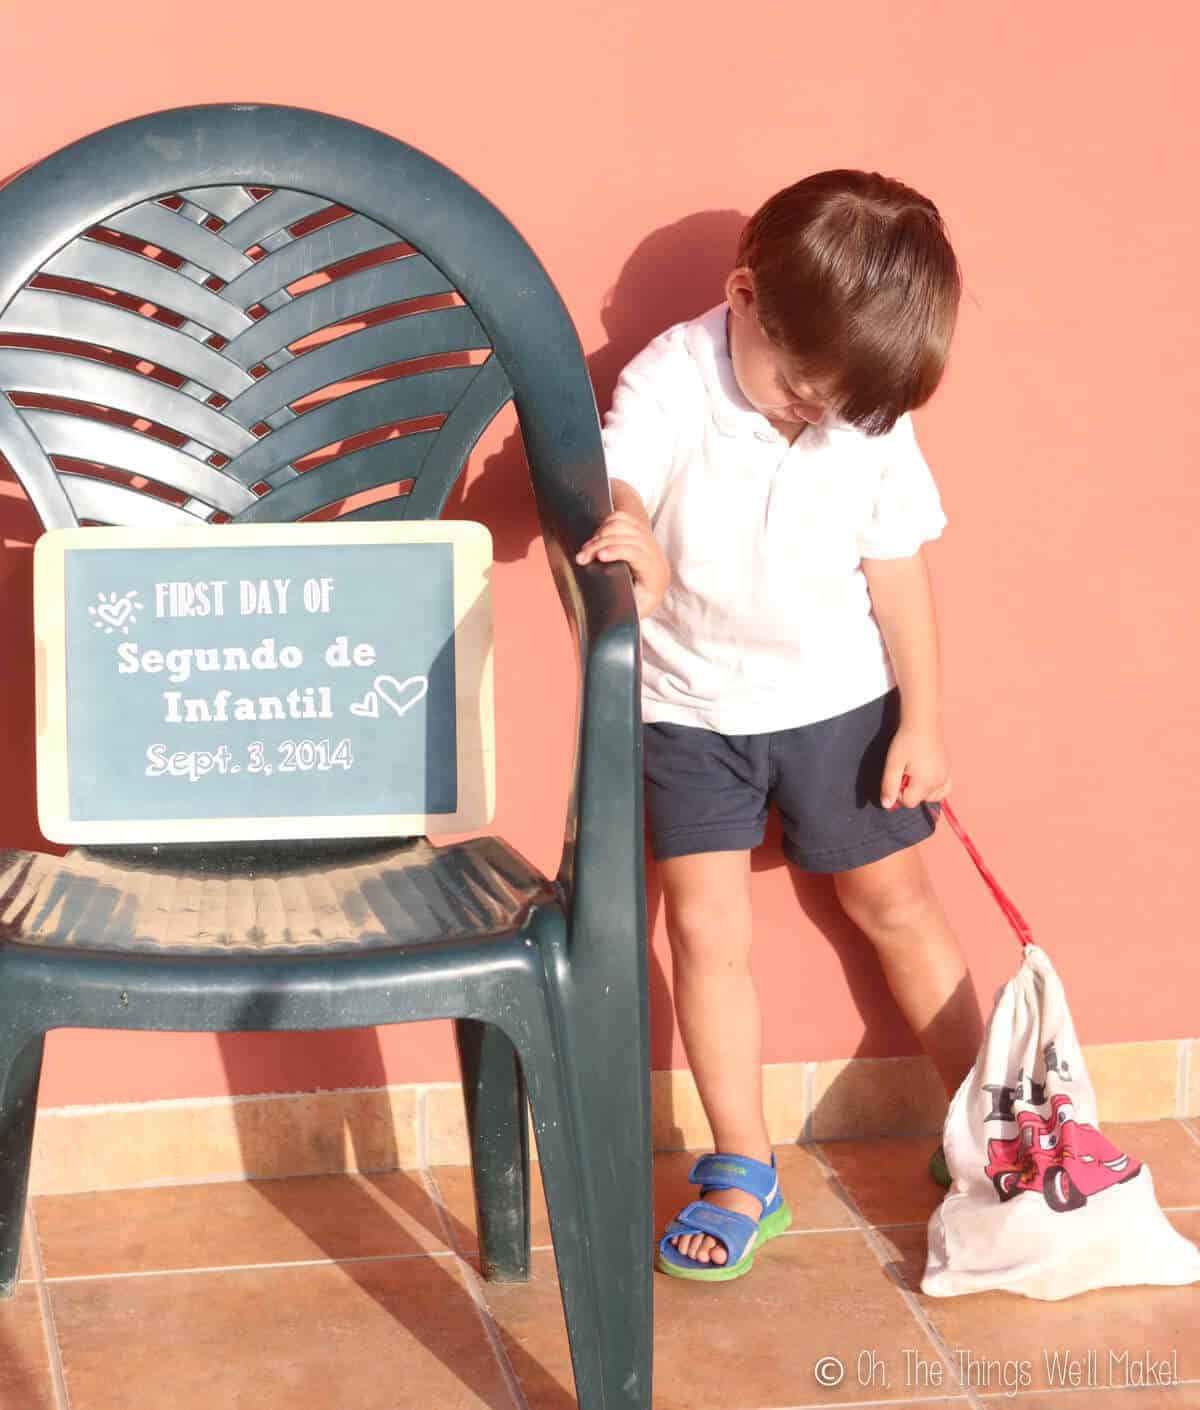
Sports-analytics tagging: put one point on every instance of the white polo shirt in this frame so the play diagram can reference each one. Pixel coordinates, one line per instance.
(767, 622)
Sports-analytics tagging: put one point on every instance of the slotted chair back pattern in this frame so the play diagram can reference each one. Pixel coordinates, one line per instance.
(245, 354)
(268, 340)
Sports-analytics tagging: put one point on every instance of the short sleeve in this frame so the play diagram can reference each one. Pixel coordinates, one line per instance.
(908, 510)
(639, 433)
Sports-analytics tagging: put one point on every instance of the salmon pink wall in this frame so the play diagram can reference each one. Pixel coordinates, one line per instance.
(628, 141)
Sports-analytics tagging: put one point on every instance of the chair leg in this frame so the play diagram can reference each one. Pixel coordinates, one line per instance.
(20, 1071)
(494, 1093)
(592, 1122)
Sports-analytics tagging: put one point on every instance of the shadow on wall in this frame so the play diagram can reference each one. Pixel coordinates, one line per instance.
(915, 1107)
(674, 274)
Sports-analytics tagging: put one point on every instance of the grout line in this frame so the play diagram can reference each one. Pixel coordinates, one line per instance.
(241, 1177)
(476, 1290)
(1192, 1132)
(810, 1086)
(58, 1376)
(1181, 1076)
(903, 1224)
(421, 1122)
(1185, 1075)
(830, 1229)
(217, 1103)
(474, 1286)
(247, 1267)
(910, 1300)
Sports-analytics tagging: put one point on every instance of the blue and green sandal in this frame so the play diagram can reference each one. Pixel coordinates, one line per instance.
(740, 1234)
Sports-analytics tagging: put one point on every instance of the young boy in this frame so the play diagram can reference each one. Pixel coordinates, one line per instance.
(772, 503)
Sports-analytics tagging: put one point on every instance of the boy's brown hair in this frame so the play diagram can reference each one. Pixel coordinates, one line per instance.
(854, 277)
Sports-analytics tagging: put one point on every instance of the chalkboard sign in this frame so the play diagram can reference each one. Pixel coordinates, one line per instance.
(242, 682)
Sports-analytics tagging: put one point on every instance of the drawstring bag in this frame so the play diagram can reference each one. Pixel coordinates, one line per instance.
(1041, 1203)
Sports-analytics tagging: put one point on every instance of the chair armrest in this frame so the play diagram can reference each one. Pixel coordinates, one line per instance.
(602, 860)
(602, 872)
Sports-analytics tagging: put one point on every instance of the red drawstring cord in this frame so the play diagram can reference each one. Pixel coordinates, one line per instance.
(1014, 916)
(1015, 919)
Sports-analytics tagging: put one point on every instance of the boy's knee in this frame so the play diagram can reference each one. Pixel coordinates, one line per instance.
(707, 931)
(885, 911)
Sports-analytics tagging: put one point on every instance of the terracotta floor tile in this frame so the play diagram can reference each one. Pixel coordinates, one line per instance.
(1174, 1152)
(807, 1298)
(906, 1249)
(1171, 1152)
(812, 1195)
(458, 1197)
(887, 1179)
(25, 1269)
(24, 1362)
(401, 1335)
(1011, 1330)
(235, 1223)
(750, 1343)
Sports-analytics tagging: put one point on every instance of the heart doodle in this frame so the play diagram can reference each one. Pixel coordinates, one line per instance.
(368, 706)
(397, 695)
(115, 614)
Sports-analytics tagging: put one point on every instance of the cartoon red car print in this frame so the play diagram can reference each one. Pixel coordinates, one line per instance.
(1067, 1160)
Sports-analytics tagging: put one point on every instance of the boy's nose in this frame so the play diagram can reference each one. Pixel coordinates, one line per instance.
(807, 405)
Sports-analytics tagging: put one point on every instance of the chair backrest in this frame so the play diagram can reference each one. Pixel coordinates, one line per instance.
(252, 313)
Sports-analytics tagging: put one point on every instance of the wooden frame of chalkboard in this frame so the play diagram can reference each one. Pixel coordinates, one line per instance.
(264, 681)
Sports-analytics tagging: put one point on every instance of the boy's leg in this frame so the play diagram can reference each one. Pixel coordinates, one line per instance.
(707, 899)
(893, 902)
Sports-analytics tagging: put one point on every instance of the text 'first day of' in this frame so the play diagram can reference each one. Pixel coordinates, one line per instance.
(253, 597)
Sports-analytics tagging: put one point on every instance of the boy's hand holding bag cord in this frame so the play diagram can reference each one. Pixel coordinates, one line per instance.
(1041, 1202)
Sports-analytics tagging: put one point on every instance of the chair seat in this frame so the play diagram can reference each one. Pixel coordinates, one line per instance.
(279, 900)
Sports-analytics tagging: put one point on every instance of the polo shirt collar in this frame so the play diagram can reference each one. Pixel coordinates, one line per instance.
(708, 342)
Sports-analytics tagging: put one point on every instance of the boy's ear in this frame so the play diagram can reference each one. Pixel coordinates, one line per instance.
(739, 291)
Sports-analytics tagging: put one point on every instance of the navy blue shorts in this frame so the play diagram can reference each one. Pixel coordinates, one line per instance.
(709, 792)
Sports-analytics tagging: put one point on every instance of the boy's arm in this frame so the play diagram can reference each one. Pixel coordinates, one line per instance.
(625, 536)
(903, 601)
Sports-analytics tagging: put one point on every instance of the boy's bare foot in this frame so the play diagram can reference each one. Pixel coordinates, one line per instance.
(703, 1248)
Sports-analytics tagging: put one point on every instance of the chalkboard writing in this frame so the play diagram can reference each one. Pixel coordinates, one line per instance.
(248, 682)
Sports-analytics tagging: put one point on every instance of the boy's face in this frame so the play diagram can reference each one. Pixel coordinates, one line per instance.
(769, 378)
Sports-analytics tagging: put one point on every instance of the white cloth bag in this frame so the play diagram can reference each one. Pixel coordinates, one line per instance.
(1042, 1203)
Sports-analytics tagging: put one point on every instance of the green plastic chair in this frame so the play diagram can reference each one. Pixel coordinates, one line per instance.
(146, 322)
